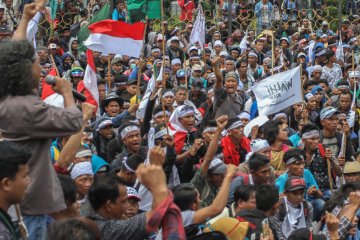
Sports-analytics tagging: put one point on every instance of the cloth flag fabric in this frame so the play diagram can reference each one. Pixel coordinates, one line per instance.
(116, 37)
(340, 51)
(243, 43)
(278, 91)
(139, 9)
(311, 48)
(199, 30)
(48, 95)
(84, 32)
(88, 86)
(140, 113)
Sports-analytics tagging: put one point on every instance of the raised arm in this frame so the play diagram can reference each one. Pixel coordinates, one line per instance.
(219, 77)
(220, 200)
(221, 123)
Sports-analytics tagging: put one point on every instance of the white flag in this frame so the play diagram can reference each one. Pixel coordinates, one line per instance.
(243, 43)
(140, 113)
(198, 31)
(279, 91)
(340, 51)
(310, 52)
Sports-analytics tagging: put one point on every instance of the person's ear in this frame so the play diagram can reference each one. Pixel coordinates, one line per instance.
(5, 184)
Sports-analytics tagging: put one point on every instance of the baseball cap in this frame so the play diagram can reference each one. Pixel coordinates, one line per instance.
(328, 112)
(320, 52)
(294, 183)
(132, 193)
(352, 167)
(197, 84)
(217, 167)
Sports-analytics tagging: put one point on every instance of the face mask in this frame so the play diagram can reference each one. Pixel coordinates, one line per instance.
(133, 66)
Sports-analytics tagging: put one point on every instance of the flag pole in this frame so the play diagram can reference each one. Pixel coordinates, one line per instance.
(353, 61)
(53, 62)
(163, 63)
(141, 65)
(108, 73)
(272, 53)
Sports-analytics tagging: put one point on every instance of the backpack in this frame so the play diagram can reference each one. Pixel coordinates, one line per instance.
(282, 209)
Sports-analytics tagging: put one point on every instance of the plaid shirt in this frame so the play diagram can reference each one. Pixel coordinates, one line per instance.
(167, 215)
(344, 226)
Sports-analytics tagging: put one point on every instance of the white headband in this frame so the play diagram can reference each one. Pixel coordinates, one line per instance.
(80, 169)
(104, 124)
(209, 129)
(84, 153)
(258, 145)
(244, 115)
(160, 133)
(160, 113)
(278, 115)
(185, 111)
(253, 54)
(127, 166)
(236, 125)
(167, 94)
(294, 159)
(311, 134)
(127, 130)
(308, 96)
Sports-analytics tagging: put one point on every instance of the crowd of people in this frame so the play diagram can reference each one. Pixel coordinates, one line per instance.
(190, 158)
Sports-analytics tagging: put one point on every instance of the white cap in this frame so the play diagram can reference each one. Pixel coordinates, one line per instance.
(354, 74)
(301, 55)
(175, 61)
(193, 48)
(317, 68)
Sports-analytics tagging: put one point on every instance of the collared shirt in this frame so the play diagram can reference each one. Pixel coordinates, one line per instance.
(344, 226)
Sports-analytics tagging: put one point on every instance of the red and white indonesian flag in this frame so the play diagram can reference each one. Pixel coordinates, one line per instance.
(48, 95)
(88, 86)
(116, 37)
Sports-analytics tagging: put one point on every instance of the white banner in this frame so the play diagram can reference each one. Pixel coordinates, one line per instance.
(339, 53)
(279, 91)
(198, 31)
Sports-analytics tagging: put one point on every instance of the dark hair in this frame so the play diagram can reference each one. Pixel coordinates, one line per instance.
(238, 63)
(243, 193)
(307, 128)
(16, 62)
(257, 161)
(266, 197)
(309, 83)
(324, 81)
(184, 195)
(12, 155)
(73, 229)
(293, 153)
(101, 82)
(272, 130)
(345, 93)
(133, 162)
(105, 188)
(180, 88)
(69, 189)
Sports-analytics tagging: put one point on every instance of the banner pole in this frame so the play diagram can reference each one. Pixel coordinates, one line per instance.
(140, 65)
(272, 53)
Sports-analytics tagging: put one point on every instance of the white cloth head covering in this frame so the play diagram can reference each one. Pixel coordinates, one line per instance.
(80, 169)
(180, 111)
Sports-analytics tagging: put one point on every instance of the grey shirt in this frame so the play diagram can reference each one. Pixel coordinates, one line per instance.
(231, 106)
(32, 123)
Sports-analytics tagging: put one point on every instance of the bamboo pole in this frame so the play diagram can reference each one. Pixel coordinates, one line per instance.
(140, 65)
(108, 73)
(272, 53)
(53, 62)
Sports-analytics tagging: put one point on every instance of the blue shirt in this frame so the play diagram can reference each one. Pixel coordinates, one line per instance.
(308, 177)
